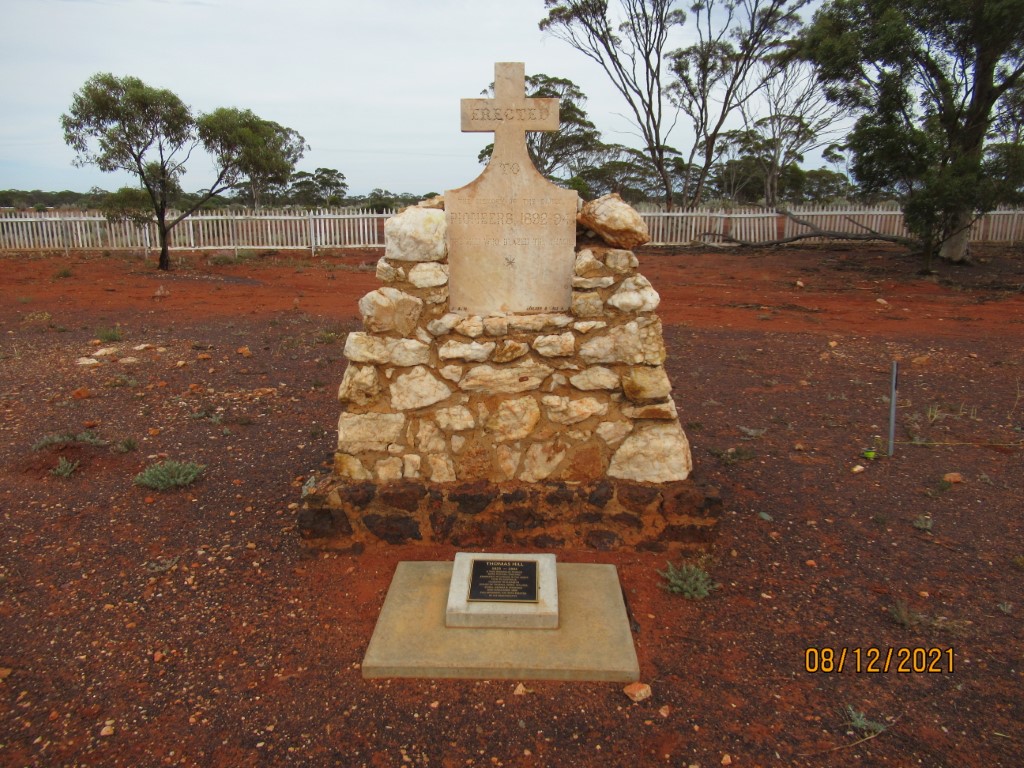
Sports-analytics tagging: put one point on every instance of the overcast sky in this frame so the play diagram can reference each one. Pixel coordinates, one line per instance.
(373, 86)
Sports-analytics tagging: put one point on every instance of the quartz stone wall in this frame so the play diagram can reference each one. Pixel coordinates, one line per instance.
(439, 400)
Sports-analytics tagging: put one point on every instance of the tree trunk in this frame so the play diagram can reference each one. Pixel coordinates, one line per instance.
(162, 234)
(954, 247)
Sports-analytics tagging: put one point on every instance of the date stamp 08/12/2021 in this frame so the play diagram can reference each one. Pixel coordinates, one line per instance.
(914, 660)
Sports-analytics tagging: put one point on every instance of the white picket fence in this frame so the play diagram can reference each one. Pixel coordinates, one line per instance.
(345, 228)
(203, 230)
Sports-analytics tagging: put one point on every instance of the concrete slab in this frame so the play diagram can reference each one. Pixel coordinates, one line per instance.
(592, 642)
(463, 612)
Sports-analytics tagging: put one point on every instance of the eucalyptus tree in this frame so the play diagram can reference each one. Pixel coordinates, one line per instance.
(928, 80)
(122, 124)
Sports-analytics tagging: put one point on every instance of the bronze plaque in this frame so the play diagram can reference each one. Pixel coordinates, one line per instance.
(503, 581)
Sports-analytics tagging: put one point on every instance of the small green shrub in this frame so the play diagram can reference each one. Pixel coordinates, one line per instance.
(923, 523)
(166, 475)
(109, 335)
(690, 581)
(62, 273)
(69, 438)
(903, 615)
(64, 468)
(124, 446)
(858, 721)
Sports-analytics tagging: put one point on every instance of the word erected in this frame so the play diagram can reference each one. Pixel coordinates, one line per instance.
(511, 114)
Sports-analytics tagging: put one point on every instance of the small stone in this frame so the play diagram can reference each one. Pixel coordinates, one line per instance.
(509, 350)
(883, 302)
(613, 432)
(359, 385)
(615, 221)
(590, 283)
(596, 377)
(429, 438)
(444, 324)
(368, 432)
(451, 372)
(621, 262)
(665, 711)
(107, 730)
(416, 234)
(811, 563)
(429, 275)
(953, 477)
(471, 326)
(507, 458)
(82, 393)
(389, 470)
(244, 351)
(635, 342)
(558, 345)
(514, 419)
(389, 309)
(726, 760)
(496, 325)
(563, 410)
(587, 265)
(366, 348)
(455, 419)
(666, 410)
(541, 460)
(538, 322)
(653, 453)
(505, 380)
(587, 304)
(441, 469)
(586, 326)
(436, 201)
(642, 383)
(520, 690)
(637, 691)
(411, 465)
(857, 469)
(635, 294)
(87, 361)
(474, 352)
(349, 466)
(388, 273)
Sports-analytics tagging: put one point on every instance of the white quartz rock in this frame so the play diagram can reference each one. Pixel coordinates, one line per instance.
(417, 388)
(416, 234)
(358, 432)
(654, 453)
(389, 309)
(635, 294)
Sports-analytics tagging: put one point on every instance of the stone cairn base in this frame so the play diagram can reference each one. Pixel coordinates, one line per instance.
(551, 429)
(606, 514)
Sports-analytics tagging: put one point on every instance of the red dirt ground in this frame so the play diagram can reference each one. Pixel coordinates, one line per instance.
(193, 627)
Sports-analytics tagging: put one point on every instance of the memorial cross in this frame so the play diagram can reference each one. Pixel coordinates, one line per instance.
(510, 114)
(511, 232)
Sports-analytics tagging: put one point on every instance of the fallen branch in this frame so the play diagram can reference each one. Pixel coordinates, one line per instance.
(818, 232)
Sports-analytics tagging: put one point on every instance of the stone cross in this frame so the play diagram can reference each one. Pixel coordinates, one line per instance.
(509, 114)
(511, 232)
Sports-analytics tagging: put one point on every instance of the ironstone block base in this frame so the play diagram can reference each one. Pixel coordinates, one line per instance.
(609, 514)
